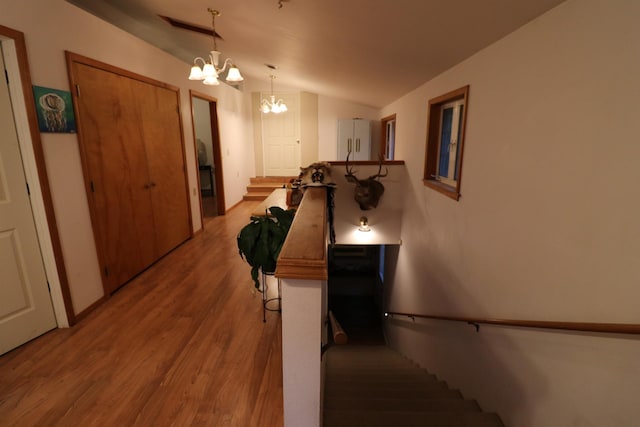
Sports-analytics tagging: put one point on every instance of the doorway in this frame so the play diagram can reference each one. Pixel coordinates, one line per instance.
(208, 154)
(34, 294)
(281, 139)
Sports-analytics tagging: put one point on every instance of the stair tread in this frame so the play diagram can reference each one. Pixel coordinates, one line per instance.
(372, 418)
(265, 185)
(374, 385)
(413, 404)
(270, 179)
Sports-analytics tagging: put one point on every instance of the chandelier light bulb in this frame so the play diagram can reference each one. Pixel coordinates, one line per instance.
(211, 70)
(196, 73)
(271, 105)
(211, 81)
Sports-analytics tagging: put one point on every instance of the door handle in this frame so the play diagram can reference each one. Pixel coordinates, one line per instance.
(358, 145)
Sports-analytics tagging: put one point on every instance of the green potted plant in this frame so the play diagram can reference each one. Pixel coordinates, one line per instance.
(260, 241)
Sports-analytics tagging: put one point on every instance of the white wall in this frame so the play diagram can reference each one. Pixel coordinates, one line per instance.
(330, 110)
(547, 226)
(384, 220)
(54, 26)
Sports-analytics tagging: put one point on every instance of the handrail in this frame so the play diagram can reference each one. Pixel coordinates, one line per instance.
(611, 328)
(304, 253)
(339, 335)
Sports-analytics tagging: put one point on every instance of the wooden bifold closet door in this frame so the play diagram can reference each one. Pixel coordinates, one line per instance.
(131, 144)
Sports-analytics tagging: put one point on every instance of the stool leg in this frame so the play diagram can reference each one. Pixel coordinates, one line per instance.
(279, 296)
(264, 298)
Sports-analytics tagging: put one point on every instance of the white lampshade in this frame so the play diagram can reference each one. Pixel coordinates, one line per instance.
(209, 70)
(196, 73)
(234, 74)
(283, 107)
(211, 81)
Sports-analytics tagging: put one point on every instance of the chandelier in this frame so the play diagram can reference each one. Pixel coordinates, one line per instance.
(271, 105)
(211, 69)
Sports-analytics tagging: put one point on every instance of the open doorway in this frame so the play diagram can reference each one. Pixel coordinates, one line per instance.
(208, 154)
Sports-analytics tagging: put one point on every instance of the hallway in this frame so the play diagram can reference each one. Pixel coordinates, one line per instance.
(181, 344)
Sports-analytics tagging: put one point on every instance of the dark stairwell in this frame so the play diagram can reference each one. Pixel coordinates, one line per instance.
(366, 382)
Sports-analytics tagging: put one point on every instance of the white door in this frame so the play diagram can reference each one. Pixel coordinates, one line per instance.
(25, 304)
(281, 139)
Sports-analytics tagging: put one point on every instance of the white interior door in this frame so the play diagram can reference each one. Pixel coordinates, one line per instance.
(25, 304)
(281, 139)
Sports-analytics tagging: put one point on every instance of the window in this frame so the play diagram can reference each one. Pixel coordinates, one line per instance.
(387, 150)
(445, 141)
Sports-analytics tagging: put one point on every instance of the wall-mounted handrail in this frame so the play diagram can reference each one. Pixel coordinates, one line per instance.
(339, 335)
(611, 328)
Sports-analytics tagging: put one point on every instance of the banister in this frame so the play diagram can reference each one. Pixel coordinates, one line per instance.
(339, 335)
(611, 328)
(304, 253)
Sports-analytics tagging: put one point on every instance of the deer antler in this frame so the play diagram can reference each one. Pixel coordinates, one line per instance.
(349, 171)
(378, 175)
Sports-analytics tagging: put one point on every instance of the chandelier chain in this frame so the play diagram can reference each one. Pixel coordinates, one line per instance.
(214, 13)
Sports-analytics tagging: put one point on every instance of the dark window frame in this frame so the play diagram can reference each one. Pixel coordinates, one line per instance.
(434, 117)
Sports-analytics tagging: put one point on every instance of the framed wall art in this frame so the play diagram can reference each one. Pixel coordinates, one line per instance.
(55, 110)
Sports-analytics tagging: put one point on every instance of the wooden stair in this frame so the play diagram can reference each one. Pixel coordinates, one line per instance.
(372, 385)
(259, 187)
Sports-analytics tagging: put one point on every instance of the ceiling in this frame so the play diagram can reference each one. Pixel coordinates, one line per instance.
(367, 51)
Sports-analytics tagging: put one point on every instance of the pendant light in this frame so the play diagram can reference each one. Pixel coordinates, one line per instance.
(210, 71)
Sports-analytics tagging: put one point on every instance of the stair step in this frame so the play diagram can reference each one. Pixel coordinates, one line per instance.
(360, 394)
(372, 380)
(256, 196)
(404, 393)
(340, 418)
(263, 187)
(403, 405)
(400, 369)
(260, 187)
(376, 386)
(271, 179)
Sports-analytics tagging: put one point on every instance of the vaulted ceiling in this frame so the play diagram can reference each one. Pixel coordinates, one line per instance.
(367, 51)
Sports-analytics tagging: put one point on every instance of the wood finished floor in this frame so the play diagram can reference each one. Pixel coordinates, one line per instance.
(182, 344)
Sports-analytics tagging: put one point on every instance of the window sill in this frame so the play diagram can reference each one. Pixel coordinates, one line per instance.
(443, 188)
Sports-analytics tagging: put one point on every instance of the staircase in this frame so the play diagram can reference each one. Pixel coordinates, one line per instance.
(260, 187)
(372, 385)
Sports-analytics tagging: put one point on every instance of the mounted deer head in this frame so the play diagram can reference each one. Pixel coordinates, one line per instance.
(368, 191)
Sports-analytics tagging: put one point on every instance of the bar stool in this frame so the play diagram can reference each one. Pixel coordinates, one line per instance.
(268, 303)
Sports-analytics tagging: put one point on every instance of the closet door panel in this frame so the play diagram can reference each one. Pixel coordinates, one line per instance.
(161, 127)
(116, 170)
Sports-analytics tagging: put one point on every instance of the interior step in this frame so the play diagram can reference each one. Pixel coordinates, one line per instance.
(372, 385)
(413, 404)
(261, 187)
(256, 196)
(340, 418)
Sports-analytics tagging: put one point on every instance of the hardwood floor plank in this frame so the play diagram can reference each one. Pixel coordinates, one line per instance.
(181, 344)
